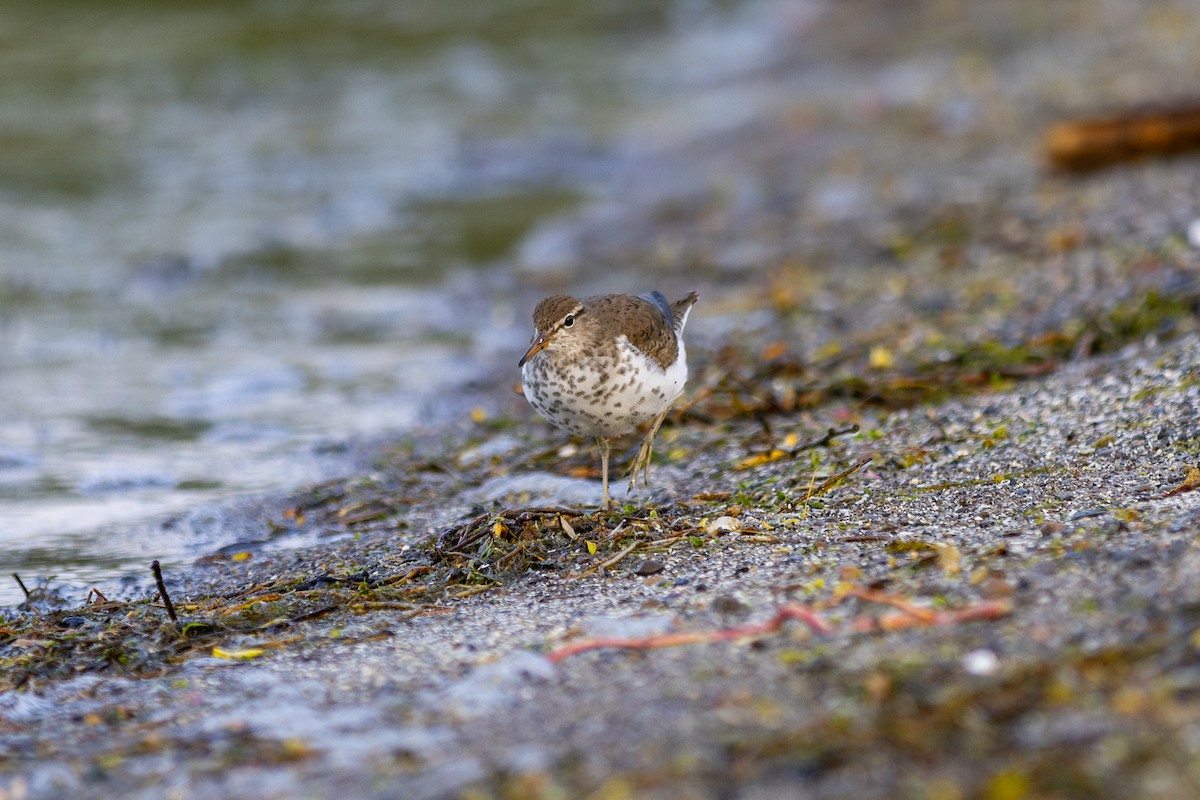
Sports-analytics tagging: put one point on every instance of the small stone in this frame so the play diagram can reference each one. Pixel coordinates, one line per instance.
(980, 662)
(726, 604)
(649, 567)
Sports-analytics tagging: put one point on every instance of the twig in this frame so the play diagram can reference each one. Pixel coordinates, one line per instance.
(499, 562)
(162, 590)
(522, 514)
(427, 612)
(461, 530)
(658, 545)
(283, 621)
(823, 440)
(902, 603)
(383, 605)
(21, 583)
(262, 598)
(912, 615)
(408, 576)
(1079, 145)
(612, 561)
(832, 479)
(262, 587)
(791, 611)
(474, 590)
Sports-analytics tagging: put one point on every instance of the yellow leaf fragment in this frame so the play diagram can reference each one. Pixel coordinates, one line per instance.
(1060, 693)
(591, 546)
(881, 358)
(479, 414)
(1007, 785)
(238, 655)
(297, 748)
(243, 556)
(759, 459)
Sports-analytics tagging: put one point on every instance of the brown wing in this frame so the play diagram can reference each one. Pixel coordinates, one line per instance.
(641, 321)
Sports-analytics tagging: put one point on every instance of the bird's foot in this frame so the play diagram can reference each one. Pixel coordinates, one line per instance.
(642, 462)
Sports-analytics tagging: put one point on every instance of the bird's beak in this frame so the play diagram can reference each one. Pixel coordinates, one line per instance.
(535, 347)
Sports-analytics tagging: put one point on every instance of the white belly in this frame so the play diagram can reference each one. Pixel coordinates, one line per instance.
(602, 396)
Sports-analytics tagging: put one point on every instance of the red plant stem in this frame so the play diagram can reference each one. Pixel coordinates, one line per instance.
(791, 611)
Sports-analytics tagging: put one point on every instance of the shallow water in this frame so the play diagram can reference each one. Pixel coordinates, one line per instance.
(228, 233)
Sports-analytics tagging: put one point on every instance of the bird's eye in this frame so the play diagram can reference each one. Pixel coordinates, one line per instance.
(569, 321)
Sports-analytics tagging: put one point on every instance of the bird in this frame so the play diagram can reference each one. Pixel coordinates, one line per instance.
(601, 366)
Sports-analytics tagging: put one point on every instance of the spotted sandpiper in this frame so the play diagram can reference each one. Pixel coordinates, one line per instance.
(603, 365)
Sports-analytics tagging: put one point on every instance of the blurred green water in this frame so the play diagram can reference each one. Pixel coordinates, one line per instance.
(136, 129)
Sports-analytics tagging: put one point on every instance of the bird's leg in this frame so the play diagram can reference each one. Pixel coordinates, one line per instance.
(604, 446)
(642, 462)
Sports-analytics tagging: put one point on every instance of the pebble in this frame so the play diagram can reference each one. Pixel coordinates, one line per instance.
(727, 604)
(980, 662)
(649, 567)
